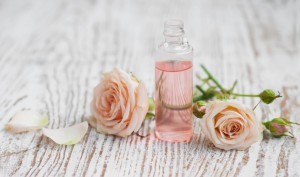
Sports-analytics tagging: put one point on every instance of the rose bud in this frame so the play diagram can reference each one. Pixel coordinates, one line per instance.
(268, 96)
(199, 109)
(278, 127)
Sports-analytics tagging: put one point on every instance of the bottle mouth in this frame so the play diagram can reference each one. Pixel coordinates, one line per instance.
(173, 28)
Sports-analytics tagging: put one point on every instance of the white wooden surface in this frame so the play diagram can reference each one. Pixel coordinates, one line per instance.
(53, 52)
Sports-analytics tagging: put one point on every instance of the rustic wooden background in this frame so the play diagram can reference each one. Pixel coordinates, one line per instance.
(53, 52)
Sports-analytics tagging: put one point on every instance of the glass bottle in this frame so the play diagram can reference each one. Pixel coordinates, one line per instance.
(174, 85)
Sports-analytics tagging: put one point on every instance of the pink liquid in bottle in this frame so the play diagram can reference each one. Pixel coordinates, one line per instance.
(173, 94)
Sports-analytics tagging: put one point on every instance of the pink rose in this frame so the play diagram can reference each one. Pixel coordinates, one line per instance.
(119, 104)
(230, 125)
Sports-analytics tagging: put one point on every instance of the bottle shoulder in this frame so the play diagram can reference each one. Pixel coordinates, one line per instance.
(164, 52)
(170, 48)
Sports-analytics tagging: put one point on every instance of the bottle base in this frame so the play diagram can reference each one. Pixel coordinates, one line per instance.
(182, 136)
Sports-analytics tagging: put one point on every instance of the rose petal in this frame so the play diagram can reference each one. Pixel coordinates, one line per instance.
(226, 117)
(142, 104)
(69, 135)
(93, 121)
(126, 112)
(207, 122)
(26, 120)
(130, 85)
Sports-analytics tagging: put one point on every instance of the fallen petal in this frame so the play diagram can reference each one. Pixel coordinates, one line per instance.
(67, 136)
(25, 121)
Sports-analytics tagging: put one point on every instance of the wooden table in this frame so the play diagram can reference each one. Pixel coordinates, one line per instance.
(52, 54)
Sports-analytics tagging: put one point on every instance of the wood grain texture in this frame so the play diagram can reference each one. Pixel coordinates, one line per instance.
(53, 52)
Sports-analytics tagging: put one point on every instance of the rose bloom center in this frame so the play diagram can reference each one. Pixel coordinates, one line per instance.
(230, 128)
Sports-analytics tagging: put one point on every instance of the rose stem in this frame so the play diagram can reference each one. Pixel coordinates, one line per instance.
(213, 79)
(200, 89)
(198, 98)
(256, 105)
(245, 95)
(221, 87)
(233, 86)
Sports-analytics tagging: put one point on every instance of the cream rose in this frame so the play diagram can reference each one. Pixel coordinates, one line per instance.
(119, 104)
(230, 125)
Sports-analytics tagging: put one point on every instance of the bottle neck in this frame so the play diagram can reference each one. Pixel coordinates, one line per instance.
(174, 40)
(174, 32)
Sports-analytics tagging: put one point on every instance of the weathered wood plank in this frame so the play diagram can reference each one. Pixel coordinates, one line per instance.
(53, 52)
